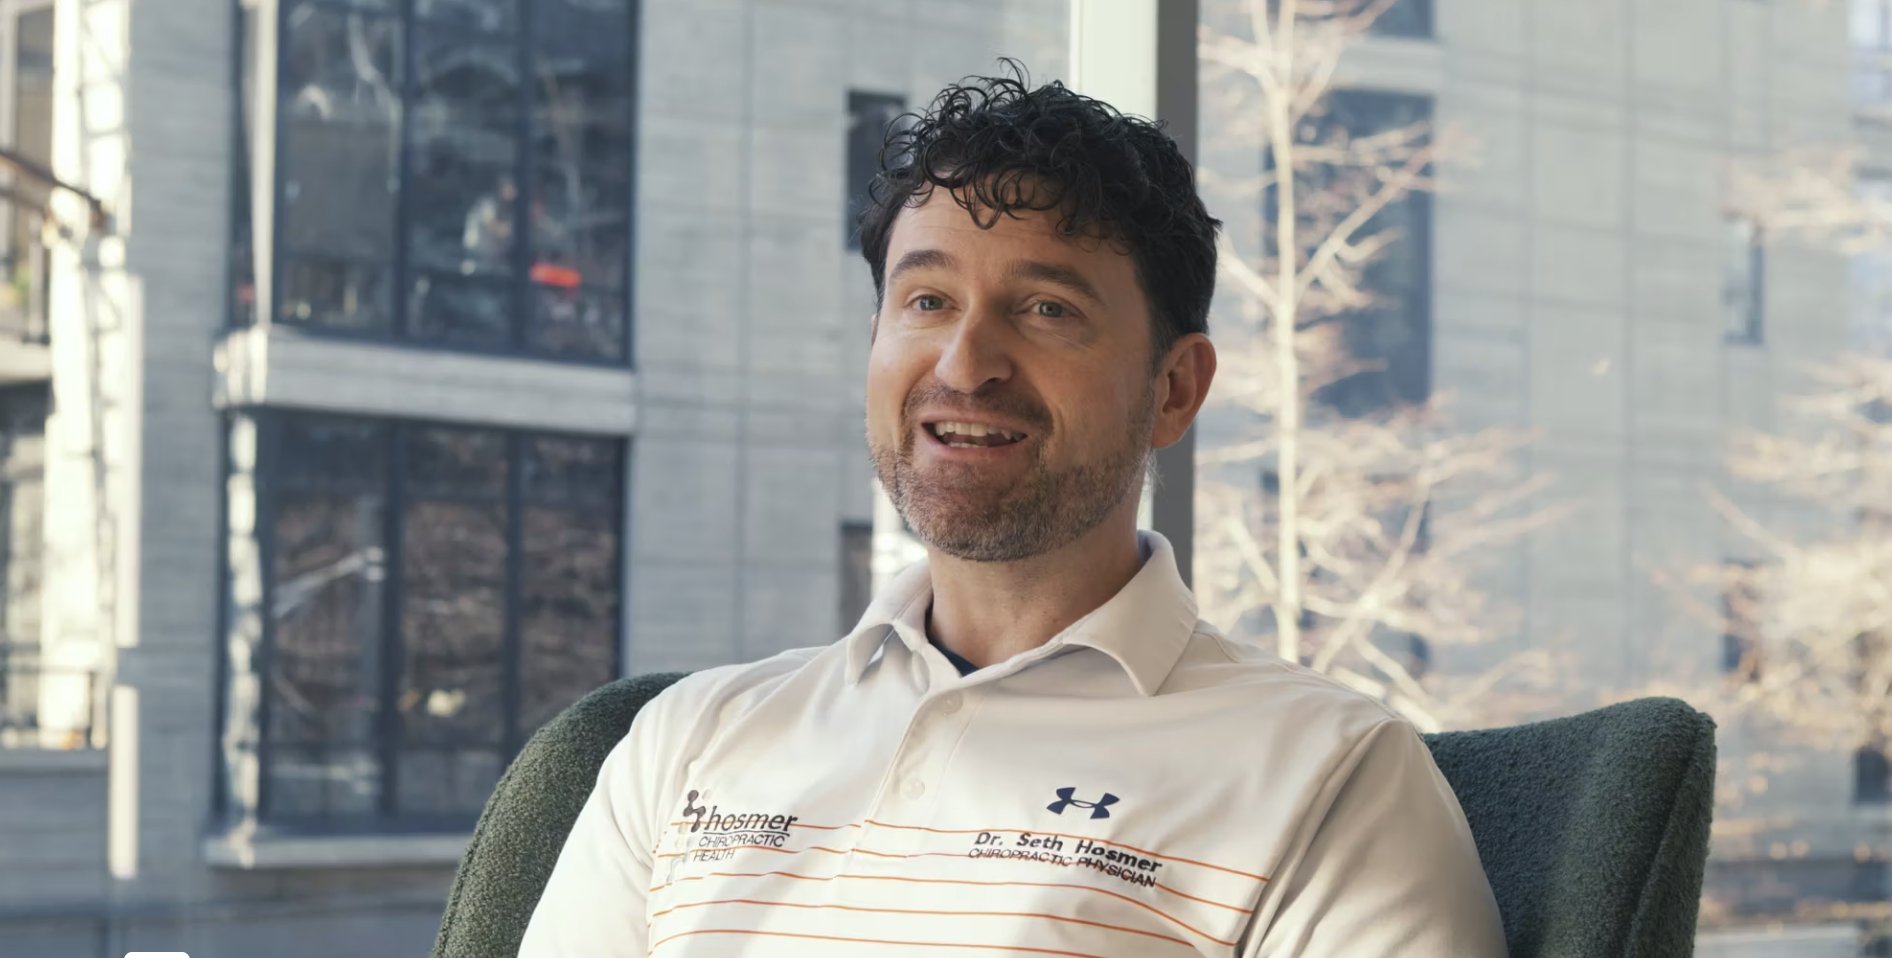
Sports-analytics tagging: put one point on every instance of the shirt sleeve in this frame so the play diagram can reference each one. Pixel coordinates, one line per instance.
(594, 904)
(1391, 869)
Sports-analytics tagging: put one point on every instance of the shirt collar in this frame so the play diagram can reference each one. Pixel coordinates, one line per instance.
(1144, 627)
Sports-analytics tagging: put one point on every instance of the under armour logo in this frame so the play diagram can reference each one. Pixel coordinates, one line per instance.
(690, 807)
(1099, 808)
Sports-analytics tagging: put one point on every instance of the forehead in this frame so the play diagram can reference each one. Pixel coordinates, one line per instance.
(941, 223)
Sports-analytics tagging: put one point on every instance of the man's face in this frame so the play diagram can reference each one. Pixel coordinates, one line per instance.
(1009, 394)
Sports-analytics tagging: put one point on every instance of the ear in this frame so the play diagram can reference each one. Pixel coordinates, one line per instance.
(1182, 386)
(873, 327)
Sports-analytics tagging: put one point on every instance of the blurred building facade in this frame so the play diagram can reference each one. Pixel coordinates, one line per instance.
(429, 364)
(1581, 271)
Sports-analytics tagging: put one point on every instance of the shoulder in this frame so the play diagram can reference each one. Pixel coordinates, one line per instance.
(701, 701)
(1214, 663)
(1278, 710)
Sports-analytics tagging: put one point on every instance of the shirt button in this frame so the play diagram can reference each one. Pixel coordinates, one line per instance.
(950, 703)
(914, 790)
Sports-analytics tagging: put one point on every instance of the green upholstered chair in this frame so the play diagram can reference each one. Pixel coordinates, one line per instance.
(1593, 829)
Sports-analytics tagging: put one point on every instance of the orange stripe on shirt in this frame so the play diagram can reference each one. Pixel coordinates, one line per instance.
(874, 941)
(1152, 909)
(862, 851)
(918, 911)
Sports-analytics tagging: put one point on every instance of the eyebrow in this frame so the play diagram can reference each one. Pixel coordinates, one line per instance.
(922, 259)
(1058, 275)
(1054, 273)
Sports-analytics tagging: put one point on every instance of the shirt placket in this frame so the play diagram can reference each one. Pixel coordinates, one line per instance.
(912, 785)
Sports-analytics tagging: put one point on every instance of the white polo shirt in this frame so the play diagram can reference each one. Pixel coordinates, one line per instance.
(1137, 786)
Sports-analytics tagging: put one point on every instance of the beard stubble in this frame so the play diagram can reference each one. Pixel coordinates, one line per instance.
(968, 513)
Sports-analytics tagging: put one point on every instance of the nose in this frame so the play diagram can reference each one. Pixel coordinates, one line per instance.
(975, 356)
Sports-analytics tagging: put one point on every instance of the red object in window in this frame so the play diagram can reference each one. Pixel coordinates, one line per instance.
(552, 274)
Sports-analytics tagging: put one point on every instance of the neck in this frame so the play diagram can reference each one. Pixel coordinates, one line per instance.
(991, 611)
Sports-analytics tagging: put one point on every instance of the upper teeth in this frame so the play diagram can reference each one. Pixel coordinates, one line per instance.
(974, 429)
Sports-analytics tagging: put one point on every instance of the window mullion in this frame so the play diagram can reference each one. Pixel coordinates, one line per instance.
(269, 305)
(393, 569)
(511, 642)
(400, 283)
(523, 171)
(268, 442)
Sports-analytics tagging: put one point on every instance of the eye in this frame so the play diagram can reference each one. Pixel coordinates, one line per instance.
(929, 303)
(1049, 309)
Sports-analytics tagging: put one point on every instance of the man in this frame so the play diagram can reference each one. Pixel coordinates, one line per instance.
(1029, 744)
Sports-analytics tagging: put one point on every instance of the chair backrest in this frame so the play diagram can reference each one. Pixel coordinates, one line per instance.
(523, 828)
(1593, 829)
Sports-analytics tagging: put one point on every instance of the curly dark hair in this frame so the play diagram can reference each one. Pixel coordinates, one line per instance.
(1000, 148)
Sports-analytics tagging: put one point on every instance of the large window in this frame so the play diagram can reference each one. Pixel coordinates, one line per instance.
(456, 172)
(431, 596)
(1393, 336)
(869, 117)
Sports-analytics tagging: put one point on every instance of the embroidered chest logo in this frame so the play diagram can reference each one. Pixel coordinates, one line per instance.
(691, 808)
(735, 828)
(1099, 808)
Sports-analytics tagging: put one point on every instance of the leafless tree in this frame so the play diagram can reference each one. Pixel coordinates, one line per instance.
(1813, 615)
(1369, 532)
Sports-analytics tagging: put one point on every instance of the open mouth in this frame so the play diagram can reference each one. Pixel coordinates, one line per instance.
(972, 435)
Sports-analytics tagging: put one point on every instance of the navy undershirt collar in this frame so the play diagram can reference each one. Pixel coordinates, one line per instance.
(960, 662)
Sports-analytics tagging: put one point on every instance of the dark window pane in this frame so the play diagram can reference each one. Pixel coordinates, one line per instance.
(466, 142)
(341, 132)
(1394, 334)
(868, 117)
(568, 609)
(579, 472)
(242, 250)
(23, 411)
(452, 782)
(463, 312)
(332, 453)
(33, 85)
(363, 722)
(453, 566)
(483, 15)
(1872, 776)
(1405, 18)
(1418, 656)
(1743, 271)
(332, 293)
(456, 463)
(319, 782)
(24, 288)
(324, 673)
(586, 324)
(582, 140)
